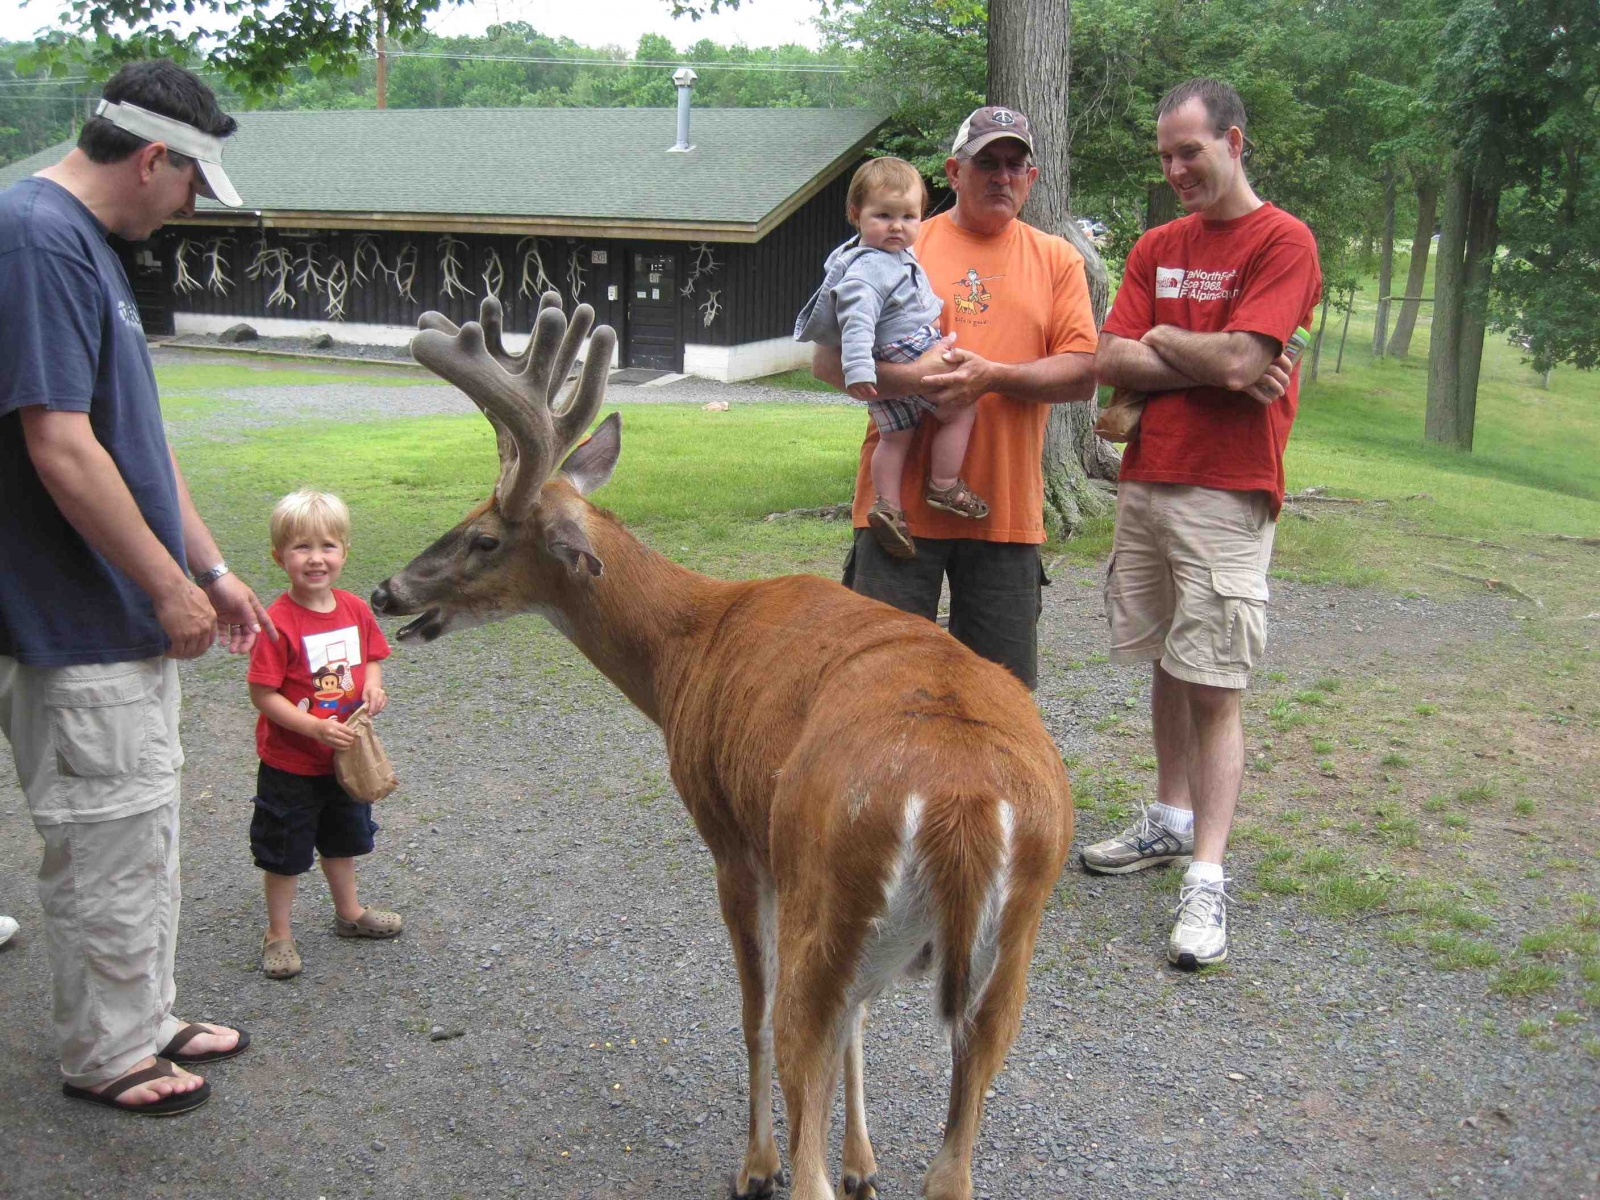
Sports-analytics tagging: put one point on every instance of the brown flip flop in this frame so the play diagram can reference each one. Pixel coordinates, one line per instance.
(170, 1106)
(173, 1050)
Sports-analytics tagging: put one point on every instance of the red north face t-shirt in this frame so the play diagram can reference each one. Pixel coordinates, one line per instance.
(1258, 273)
(319, 663)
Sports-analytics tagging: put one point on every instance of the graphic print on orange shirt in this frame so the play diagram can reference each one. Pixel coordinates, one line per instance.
(972, 298)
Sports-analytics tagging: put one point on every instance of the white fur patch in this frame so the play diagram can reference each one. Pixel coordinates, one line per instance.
(907, 921)
(986, 939)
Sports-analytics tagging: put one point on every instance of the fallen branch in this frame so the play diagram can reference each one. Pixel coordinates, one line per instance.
(1488, 581)
(1481, 544)
(828, 512)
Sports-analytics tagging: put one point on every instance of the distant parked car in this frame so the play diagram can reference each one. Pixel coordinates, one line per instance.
(1095, 230)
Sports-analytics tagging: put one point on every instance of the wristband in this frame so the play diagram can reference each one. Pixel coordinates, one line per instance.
(207, 578)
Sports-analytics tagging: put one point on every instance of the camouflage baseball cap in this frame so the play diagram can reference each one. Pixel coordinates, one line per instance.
(991, 124)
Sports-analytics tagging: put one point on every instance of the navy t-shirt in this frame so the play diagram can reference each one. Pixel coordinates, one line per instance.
(71, 341)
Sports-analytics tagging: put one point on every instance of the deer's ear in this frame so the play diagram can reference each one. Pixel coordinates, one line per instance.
(566, 539)
(591, 462)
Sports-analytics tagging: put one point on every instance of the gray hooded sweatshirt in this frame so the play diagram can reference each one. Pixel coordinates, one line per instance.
(868, 298)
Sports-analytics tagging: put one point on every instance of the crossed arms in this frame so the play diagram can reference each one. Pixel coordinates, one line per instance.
(1169, 359)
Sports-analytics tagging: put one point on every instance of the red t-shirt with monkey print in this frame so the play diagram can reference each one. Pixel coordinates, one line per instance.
(319, 663)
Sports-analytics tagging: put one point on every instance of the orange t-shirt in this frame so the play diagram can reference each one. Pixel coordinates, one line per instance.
(1016, 297)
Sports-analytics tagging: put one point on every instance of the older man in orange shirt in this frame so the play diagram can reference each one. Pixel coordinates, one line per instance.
(1016, 305)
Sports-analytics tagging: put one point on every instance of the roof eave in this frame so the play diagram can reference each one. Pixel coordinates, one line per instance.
(520, 226)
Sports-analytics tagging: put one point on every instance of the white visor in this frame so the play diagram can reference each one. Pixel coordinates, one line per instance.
(185, 139)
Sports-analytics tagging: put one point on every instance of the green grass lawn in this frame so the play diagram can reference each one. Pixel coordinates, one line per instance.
(698, 485)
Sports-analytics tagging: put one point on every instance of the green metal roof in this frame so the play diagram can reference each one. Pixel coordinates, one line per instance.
(609, 164)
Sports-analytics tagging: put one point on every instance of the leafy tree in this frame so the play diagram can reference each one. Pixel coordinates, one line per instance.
(1516, 84)
(34, 111)
(254, 46)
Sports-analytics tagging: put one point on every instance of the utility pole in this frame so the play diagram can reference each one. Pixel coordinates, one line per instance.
(383, 64)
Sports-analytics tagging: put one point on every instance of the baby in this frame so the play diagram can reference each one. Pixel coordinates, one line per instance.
(876, 304)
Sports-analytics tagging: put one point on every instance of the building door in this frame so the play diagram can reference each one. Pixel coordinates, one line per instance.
(653, 339)
(147, 276)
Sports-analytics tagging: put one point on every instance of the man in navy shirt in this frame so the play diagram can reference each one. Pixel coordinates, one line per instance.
(99, 540)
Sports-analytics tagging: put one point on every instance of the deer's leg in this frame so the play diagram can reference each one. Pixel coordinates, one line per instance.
(859, 1176)
(975, 1060)
(748, 910)
(808, 1021)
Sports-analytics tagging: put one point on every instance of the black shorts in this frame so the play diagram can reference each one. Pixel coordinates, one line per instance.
(995, 596)
(296, 813)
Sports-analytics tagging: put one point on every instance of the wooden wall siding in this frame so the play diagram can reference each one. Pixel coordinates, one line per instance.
(377, 301)
(763, 285)
(760, 287)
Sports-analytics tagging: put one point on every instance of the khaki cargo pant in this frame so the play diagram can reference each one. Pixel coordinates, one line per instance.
(97, 752)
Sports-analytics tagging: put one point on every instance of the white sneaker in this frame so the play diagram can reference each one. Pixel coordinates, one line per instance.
(1200, 934)
(8, 926)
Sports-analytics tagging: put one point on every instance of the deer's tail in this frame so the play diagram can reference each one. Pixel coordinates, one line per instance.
(966, 852)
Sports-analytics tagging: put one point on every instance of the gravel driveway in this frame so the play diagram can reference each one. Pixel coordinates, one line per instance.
(562, 919)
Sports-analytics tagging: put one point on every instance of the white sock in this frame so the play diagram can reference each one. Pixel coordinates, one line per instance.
(1179, 820)
(1203, 872)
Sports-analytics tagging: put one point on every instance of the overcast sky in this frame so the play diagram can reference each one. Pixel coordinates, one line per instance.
(591, 22)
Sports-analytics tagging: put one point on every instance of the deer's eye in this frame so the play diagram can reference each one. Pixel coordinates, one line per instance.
(486, 541)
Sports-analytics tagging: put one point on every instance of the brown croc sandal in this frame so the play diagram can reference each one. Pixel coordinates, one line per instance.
(169, 1106)
(173, 1050)
(370, 924)
(888, 525)
(279, 959)
(958, 498)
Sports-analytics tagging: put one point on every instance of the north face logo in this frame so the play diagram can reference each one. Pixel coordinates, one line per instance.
(1169, 282)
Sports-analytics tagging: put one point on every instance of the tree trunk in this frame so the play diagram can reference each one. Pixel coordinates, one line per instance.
(1483, 228)
(1421, 243)
(1160, 205)
(1030, 60)
(1444, 347)
(1380, 322)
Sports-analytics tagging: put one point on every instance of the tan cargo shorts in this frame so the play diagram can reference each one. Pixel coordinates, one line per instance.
(1187, 584)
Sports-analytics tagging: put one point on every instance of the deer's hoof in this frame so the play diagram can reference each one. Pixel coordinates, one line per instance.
(759, 1187)
(858, 1188)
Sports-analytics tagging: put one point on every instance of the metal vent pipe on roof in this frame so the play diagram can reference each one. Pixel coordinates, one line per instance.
(684, 78)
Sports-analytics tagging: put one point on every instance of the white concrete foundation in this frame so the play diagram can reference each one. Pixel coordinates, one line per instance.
(350, 332)
(749, 361)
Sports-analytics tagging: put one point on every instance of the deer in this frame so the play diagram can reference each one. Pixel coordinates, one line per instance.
(877, 799)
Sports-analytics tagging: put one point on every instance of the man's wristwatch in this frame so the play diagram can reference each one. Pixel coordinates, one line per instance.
(207, 578)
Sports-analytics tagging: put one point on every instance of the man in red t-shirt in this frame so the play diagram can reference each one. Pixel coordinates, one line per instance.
(1206, 307)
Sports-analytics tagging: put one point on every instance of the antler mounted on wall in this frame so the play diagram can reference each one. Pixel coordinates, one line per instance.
(575, 272)
(217, 279)
(366, 251)
(185, 282)
(337, 283)
(494, 275)
(276, 262)
(534, 280)
(520, 393)
(450, 249)
(704, 266)
(404, 273)
(711, 307)
(310, 277)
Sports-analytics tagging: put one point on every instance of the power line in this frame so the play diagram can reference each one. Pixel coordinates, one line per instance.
(814, 69)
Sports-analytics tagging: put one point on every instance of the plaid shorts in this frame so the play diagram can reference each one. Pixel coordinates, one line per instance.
(906, 411)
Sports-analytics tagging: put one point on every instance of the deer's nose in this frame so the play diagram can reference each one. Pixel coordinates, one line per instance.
(380, 597)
